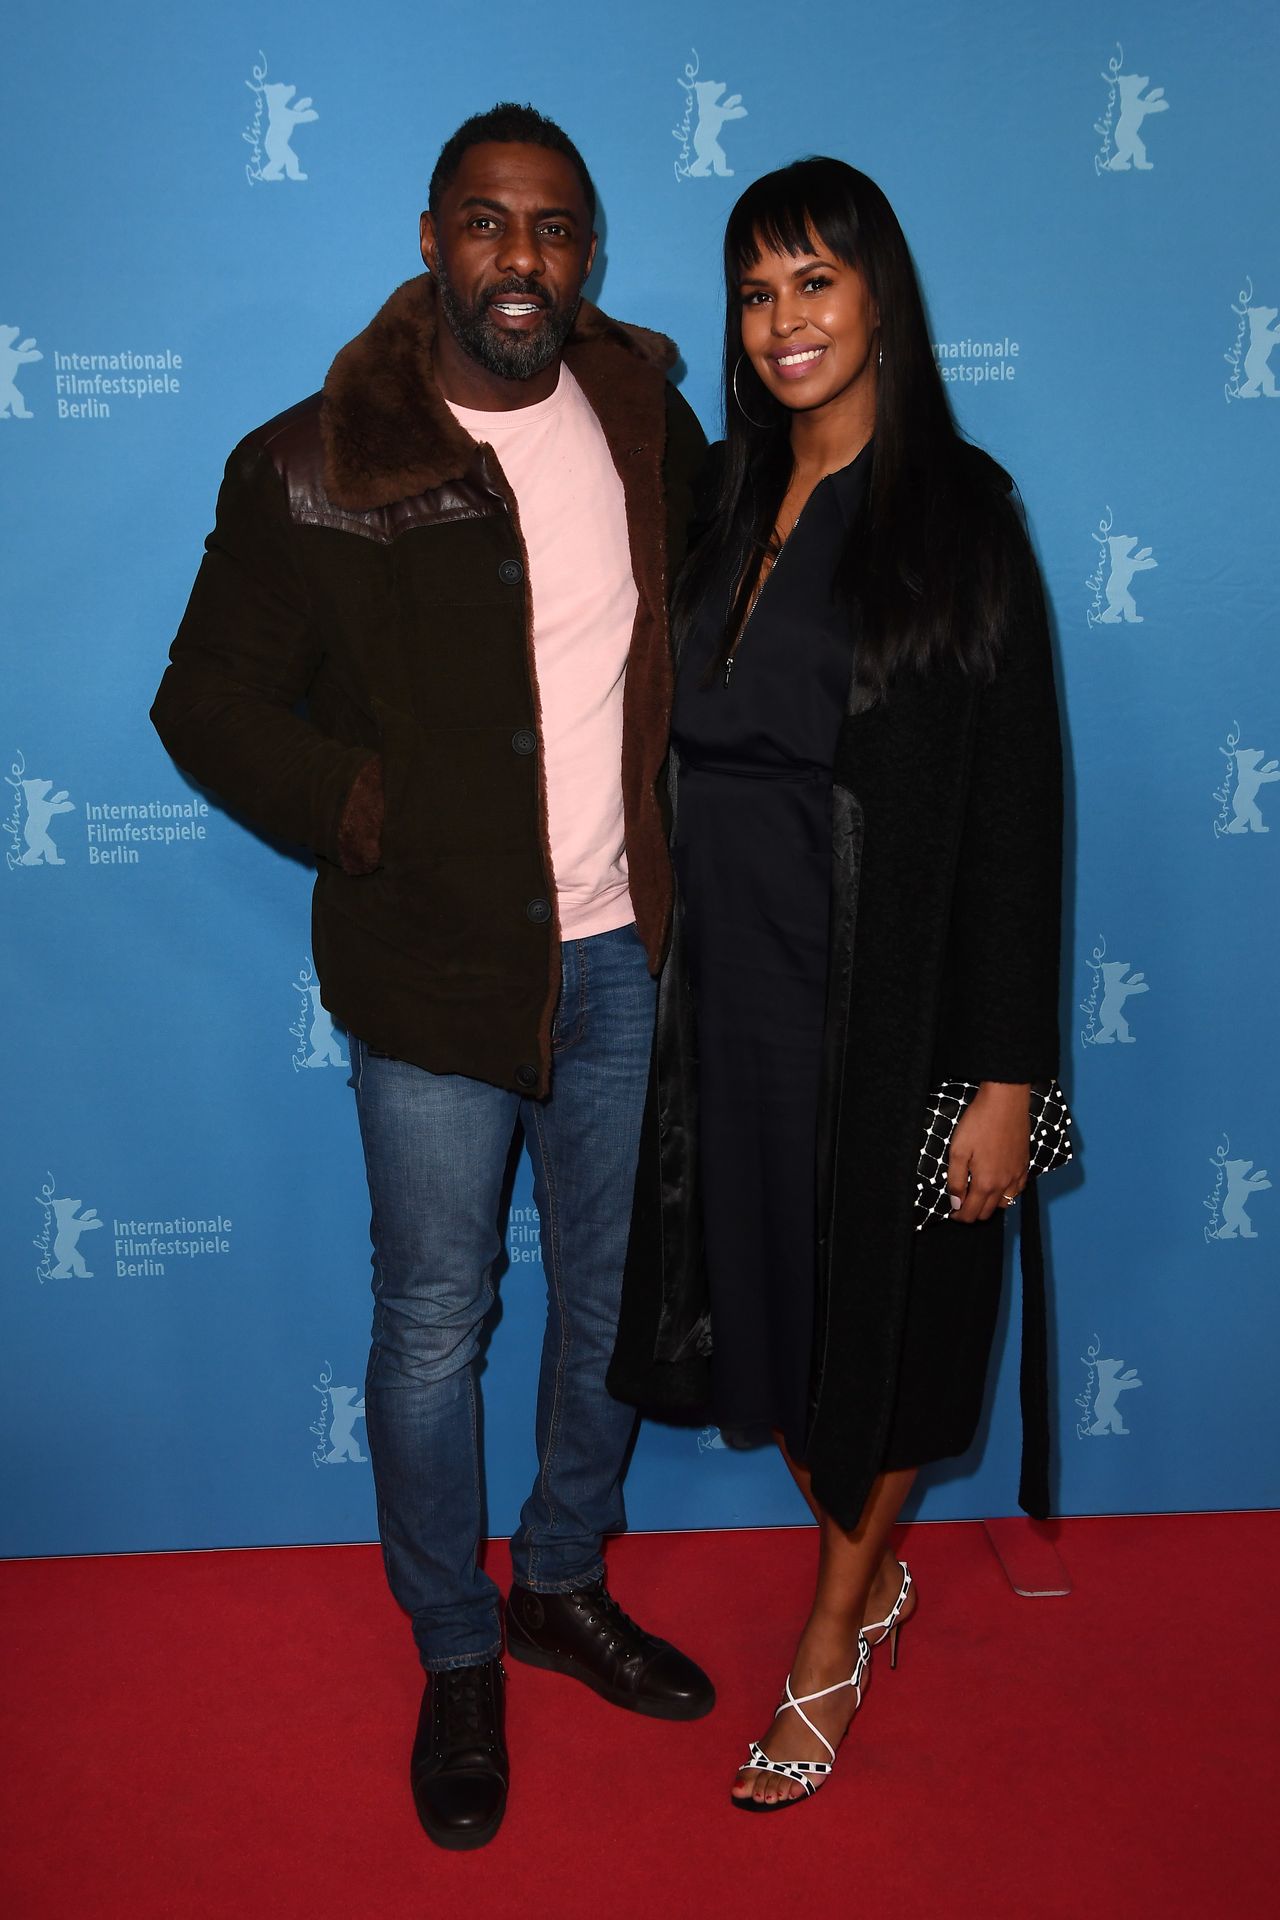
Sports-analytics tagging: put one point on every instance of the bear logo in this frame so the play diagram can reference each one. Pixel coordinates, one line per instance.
(1134, 108)
(1112, 1024)
(345, 1410)
(712, 114)
(42, 804)
(66, 1243)
(1251, 774)
(325, 1051)
(1242, 1184)
(282, 161)
(13, 356)
(1111, 1384)
(1124, 564)
(1258, 377)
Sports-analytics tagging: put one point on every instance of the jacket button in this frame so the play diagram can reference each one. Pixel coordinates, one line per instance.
(526, 1076)
(524, 741)
(539, 911)
(511, 573)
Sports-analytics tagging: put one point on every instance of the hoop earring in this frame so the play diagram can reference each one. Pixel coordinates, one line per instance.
(879, 358)
(738, 397)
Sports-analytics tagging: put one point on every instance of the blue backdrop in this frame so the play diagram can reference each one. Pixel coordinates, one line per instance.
(210, 205)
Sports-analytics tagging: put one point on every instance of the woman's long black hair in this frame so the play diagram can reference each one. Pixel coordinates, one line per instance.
(921, 560)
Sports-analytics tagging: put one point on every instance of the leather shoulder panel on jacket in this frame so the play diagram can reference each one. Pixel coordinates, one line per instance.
(293, 444)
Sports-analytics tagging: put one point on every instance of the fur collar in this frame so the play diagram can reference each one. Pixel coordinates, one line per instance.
(388, 434)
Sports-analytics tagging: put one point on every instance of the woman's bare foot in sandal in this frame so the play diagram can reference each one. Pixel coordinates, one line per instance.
(827, 1649)
(828, 1655)
(858, 1579)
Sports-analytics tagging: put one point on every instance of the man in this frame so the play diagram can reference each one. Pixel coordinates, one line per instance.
(458, 555)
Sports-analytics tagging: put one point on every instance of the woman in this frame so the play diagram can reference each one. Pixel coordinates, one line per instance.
(866, 787)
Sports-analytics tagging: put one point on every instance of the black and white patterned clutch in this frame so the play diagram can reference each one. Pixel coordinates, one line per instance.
(1050, 1141)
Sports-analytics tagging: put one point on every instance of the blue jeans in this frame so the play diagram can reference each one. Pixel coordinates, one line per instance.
(436, 1151)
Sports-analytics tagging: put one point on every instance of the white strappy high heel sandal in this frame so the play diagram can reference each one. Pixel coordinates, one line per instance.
(809, 1774)
(887, 1629)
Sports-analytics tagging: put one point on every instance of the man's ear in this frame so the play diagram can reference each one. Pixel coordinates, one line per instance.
(427, 241)
(591, 259)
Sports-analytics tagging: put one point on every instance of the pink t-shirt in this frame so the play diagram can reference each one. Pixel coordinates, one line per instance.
(574, 521)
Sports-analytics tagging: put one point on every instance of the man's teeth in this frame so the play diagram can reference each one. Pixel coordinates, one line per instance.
(516, 306)
(795, 359)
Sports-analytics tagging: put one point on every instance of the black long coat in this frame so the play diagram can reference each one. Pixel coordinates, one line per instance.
(945, 920)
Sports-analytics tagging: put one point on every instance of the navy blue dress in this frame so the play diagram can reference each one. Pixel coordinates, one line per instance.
(753, 864)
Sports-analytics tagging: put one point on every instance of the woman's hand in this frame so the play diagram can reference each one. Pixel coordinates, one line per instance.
(989, 1151)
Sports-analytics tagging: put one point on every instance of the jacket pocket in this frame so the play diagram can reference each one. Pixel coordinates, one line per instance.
(455, 791)
(461, 849)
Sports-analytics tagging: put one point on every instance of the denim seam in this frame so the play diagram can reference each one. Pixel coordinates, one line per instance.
(560, 1041)
(557, 1391)
(475, 1456)
(384, 1534)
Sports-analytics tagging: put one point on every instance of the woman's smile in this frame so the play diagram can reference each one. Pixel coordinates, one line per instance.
(794, 362)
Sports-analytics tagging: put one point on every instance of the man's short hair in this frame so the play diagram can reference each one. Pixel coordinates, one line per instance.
(507, 122)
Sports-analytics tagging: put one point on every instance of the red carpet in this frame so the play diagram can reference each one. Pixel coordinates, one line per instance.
(227, 1734)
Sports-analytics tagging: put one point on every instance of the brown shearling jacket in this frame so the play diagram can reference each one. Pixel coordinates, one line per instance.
(354, 672)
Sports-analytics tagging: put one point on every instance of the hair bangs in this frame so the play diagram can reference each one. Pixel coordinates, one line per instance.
(787, 212)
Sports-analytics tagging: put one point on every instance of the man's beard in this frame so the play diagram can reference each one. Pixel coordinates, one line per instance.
(512, 356)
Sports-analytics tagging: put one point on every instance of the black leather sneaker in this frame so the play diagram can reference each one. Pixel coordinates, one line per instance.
(587, 1635)
(459, 1768)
